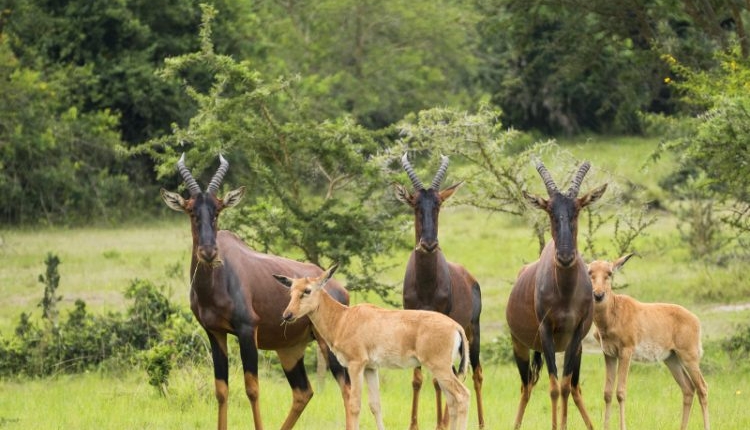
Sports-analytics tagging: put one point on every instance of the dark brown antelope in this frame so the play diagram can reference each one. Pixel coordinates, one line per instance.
(648, 332)
(366, 337)
(550, 308)
(232, 291)
(433, 283)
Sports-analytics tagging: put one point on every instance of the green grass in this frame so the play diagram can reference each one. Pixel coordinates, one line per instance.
(98, 264)
(125, 401)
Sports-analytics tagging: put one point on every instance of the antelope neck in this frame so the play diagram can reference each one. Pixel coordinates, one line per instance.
(328, 316)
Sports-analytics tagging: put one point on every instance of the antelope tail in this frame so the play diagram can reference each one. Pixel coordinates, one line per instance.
(463, 350)
(536, 366)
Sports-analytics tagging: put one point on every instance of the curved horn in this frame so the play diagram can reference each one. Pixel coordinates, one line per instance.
(573, 191)
(440, 175)
(192, 185)
(213, 186)
(410, 171)
(546, 177)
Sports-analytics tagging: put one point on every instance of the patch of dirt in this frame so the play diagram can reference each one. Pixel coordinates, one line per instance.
(738, 307)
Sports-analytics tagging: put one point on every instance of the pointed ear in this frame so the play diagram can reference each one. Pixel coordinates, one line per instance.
(617, 264)
(283, 280)
(173, 200)
(326, 276)
(233, 197)
(446, 193)
(402, 194)
(592, 196)
(535, 200)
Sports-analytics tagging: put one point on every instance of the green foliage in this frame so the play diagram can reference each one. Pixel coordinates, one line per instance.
(83, 341)
(537, 59)
(738, 344)
(712, 149)
(51, 281)
(496, 165)
(313, 191)
(376, 61)
(498, 350)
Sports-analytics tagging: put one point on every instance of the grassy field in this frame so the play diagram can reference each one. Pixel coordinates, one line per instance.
(98, 264)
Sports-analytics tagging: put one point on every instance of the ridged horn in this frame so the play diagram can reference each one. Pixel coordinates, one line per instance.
(546, 177)
(573, 191)
(440, 175)
(213, 186)
(192, 185)
(410, 171)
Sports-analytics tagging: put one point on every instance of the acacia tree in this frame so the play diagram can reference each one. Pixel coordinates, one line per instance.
(713, 152)
(313, 193)
(495, 163)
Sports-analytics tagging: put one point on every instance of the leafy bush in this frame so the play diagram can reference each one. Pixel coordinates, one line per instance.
(499, 350)
(82, 341)
(738, 345)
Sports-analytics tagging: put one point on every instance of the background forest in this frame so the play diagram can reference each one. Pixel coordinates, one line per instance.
(314, 102)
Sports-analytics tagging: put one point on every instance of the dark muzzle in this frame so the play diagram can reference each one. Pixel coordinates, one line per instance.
(598, 296)
(428, 247)
(208, 254)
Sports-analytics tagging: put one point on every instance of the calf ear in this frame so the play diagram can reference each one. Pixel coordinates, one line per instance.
(173, 200)
(326, 276)
(283, 280)
(233, 197)
(617, 264)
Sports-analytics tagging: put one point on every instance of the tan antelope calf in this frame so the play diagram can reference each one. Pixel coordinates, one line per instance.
(648, 332)
(366, 337)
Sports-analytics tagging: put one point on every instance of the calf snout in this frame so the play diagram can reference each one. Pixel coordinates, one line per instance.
(288, 316)
(598, 296)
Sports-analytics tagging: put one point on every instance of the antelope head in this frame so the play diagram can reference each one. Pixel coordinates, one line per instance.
(304, 293)
(601, 273)
(204, 208)
(426, 203)
(563, 209)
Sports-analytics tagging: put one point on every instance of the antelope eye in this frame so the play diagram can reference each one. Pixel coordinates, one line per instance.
(306, 292)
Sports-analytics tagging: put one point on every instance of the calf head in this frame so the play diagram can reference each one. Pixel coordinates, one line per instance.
(601, 273)
(304, 293)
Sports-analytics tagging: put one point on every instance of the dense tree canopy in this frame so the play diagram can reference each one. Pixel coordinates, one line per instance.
(100, 96)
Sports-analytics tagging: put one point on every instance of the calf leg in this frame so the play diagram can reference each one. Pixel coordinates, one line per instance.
(623, 368)
(443, 416)
(416, 385)
(683, 380)
(356, 373)
(692, 367)
(457, 398)
(611, 365)
(373, 391)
